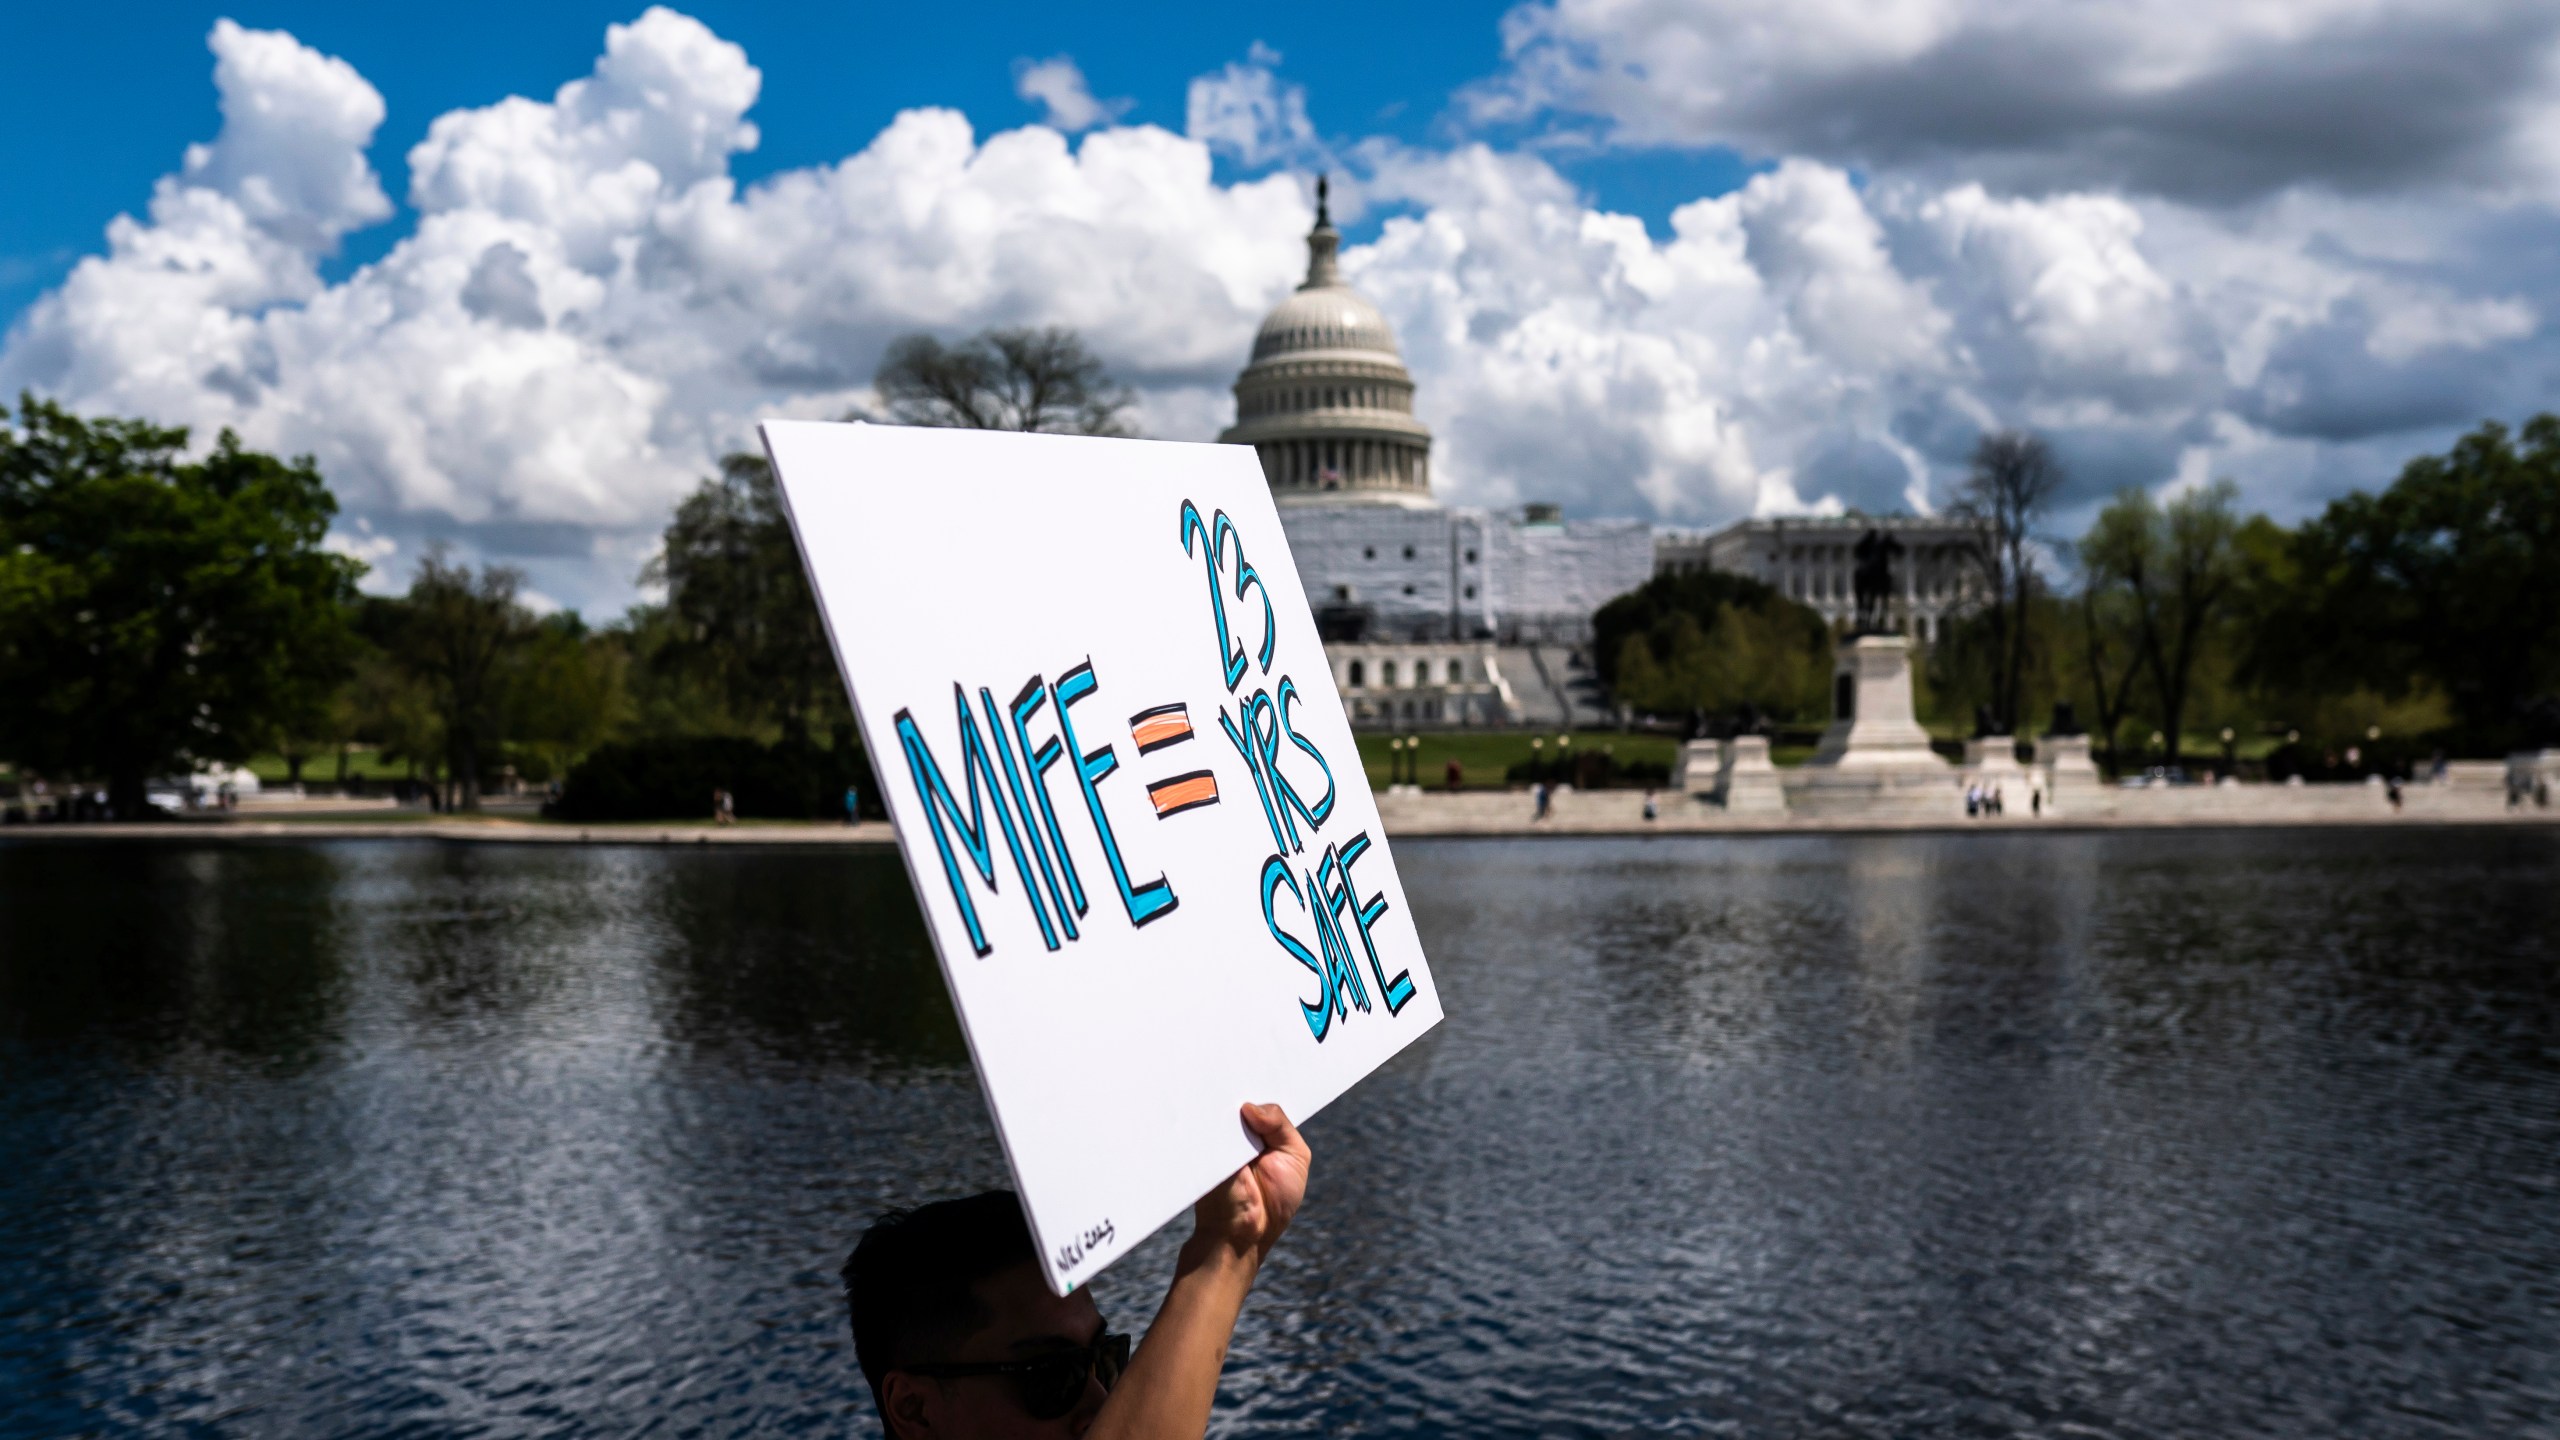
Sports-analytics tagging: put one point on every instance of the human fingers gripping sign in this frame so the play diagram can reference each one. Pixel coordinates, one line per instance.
(1253, 1207)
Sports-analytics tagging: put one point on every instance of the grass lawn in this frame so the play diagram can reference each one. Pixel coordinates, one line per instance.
(322, 769)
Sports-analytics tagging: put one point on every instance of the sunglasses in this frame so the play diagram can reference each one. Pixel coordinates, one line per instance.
(1049, 1386)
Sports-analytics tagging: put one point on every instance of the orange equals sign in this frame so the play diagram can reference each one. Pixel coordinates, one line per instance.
(1162, 726)
(1183, 792)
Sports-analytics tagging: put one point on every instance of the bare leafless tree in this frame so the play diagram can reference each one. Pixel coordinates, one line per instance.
(1005, 379)
(2014, 478)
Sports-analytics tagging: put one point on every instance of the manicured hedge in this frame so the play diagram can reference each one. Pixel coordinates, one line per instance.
(673, 779)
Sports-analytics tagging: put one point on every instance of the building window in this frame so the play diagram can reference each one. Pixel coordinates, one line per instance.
(1457, 672)
(1471, 557)
(1387, 674)
(1471, 592)
(1358, 677)
(1408, 589)
(1408, 552)
(1368, 552)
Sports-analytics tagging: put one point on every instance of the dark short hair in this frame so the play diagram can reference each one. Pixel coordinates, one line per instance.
(909, 1283)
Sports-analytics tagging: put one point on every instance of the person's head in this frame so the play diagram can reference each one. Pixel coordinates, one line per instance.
(958, 1334)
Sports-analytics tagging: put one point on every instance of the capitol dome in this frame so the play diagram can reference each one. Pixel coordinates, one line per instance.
(1326, 400)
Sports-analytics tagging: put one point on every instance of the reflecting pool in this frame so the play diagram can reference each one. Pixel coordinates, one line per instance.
(2140, 1134)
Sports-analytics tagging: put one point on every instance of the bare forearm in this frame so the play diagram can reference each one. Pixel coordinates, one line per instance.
(1173, 1379)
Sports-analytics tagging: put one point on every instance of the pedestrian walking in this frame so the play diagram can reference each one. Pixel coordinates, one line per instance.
(852, 804)
(1652, 811)
(1543, 791)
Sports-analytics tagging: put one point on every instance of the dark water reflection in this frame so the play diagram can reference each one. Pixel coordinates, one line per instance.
(2037, 1135)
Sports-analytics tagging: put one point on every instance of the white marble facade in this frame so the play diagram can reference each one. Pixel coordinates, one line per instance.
(1812, 559)
(1327, 403)
(1405, 686)
(1382, 573)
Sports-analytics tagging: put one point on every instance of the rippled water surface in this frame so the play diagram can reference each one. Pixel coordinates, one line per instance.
(2054, 1135)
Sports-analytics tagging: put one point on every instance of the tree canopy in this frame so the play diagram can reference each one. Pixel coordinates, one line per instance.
(741, 618)
(2171, 573)
(2449, 577)
(158, 613)
(1003, 379)
(1704, 642)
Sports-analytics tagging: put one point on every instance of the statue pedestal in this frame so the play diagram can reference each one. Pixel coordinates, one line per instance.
(2071, 783)
(1746, 783)
(1695, 774)
(1875, 759)
(2534, 776)
(1991, 761)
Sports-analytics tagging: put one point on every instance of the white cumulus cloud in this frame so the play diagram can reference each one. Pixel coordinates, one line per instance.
(592, 308)
(2206, 103)
(1247, 111)
(1065, 100)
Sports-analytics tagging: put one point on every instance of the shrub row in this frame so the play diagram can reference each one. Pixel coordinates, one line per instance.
(672, 779)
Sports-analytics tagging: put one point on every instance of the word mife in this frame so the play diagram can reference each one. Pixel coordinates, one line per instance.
(1041, 848)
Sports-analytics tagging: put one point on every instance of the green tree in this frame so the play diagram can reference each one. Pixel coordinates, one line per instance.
(392, 709)
(1005, 379)
(2170, 575)
(666, 694)
(739, 612)
(2110, 645)
(157, 613)
(2445, 579)
(564, 694)
(1706, 642)
(458, 633)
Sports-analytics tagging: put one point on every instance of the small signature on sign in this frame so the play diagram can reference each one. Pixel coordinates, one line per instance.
(1073, 1252)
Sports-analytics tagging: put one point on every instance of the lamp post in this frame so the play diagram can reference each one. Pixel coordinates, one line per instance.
(2230, 755)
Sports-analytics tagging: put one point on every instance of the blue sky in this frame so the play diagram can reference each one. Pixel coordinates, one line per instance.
(1680, 259)
(129, 83)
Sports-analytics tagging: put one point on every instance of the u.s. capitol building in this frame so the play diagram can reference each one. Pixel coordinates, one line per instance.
(1440, 615)
(1433, 615)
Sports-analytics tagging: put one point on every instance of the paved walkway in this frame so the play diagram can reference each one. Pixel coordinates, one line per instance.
(1412, 814)
(466, 830)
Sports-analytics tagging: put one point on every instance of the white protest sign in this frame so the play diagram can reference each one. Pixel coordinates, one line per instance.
(1126, 793)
